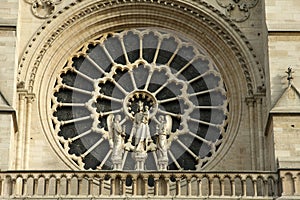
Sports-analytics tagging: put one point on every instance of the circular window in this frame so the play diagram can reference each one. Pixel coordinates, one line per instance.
(141, 99)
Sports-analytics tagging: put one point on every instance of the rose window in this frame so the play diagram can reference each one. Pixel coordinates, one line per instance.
(140, 99)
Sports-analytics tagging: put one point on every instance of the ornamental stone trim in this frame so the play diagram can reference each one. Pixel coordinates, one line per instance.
(237, 10)
(191, 8)
(43, 8)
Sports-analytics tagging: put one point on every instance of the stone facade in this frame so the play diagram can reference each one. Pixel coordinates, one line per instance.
(252, 43)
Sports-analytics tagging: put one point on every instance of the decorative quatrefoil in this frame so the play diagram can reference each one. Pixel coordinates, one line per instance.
(43, 8)
(238, 10)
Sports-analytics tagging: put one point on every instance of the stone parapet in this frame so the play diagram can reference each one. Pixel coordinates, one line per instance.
(136, 185)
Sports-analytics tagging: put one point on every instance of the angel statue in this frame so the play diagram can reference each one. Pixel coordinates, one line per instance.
(163, 130)
(117, 135)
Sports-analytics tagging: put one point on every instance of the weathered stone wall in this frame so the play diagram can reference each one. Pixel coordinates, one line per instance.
(284, 53)
(9, 12)
(287, 141)
(284, 45)
(283, 15)
(8, 66)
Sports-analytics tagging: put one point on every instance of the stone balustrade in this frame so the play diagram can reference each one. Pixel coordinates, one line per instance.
(138, 185)
(290, 182)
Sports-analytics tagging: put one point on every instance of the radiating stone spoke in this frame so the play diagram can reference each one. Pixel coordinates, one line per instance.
(124, 51)
(75, 120)
(105, 158)
(204, 92)
(169, 100)
(120, 87)
(110, 112)
(199, 77)
(199, 138)
(185, 67)
(141, 48)
(83, 75)
(95, 64)
(132, 80)
(108, 55)
(169, 113)
(92, 148)
(80, 135)
(160, 88)
(173, 56)
(110, 98)
(148, 79)
(187, 149)
(221, 107)
(61, 104)
(157, 51)
(78, 90)
(204, 122)
(174, 159)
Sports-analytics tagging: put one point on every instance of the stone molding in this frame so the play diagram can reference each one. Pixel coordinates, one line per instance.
(189, 8)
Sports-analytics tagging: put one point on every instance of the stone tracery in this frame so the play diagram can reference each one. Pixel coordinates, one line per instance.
(130, 72)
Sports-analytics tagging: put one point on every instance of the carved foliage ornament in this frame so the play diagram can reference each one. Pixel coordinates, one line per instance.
(238, 10)
(43, 8)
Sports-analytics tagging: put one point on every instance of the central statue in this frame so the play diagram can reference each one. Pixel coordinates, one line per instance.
(143, 142)
(141, 127)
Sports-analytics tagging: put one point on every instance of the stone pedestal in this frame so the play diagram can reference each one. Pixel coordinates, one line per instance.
(117, 163)
(140, 158)
(162, 163)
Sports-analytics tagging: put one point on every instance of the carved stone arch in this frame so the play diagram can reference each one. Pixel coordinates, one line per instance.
(206, 16)
(66, 31)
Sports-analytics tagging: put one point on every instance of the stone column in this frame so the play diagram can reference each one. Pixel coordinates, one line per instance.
(7, 186)
(222, 187)
(112, 186)
(260, 134)
(178, 187)
(167, 181)
(199, 187)
(20, 136)
(123, 186)
(250, 103)
(232, 187)
(24, 122)
(156, 182)
(297, 185)
(189, 187)
(30, 98)
(146, 186)
(244, 187)
(255, 188)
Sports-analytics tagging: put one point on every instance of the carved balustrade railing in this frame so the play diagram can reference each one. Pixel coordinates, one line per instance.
(290, 182)
(157, 185)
